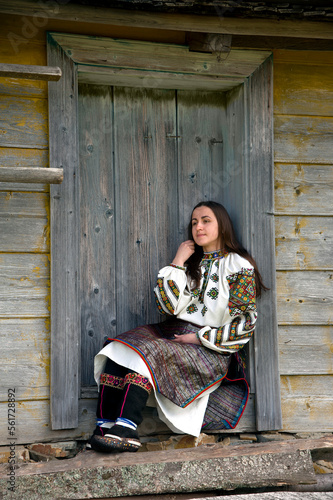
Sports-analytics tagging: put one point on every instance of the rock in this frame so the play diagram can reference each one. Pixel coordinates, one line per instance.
(248, 437)
(320, 468)
(19, 453)
(323, 466)
(66, 449)
(265, 437)
(311, 435)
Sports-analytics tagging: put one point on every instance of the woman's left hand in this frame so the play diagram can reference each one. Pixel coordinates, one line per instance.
(188, 338)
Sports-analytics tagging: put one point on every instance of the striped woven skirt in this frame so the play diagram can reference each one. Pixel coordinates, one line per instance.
(184, 372)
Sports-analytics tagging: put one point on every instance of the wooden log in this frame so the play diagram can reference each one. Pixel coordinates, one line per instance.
(32, 175)
(166, 21)
(204, 468)
(19, 157)
(46, 73)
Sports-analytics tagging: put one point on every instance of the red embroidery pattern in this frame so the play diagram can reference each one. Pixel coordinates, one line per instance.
(112, 381)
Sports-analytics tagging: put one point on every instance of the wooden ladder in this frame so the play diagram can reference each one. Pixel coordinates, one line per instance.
(38, 175)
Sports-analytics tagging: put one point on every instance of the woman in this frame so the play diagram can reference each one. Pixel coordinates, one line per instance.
(187, 366)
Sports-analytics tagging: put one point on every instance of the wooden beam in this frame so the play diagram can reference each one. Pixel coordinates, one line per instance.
(48, 73)
(32, 174)
(166, 21)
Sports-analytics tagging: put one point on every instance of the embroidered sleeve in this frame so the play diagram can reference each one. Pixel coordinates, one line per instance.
(238, 330)
(170, 285)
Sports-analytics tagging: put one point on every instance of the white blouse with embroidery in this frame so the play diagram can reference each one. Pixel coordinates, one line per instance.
(223, 306)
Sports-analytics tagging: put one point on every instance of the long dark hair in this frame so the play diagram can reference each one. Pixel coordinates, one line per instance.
(230, 244)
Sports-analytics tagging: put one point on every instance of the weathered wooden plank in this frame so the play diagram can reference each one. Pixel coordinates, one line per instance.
(14, 204)
(23, 88)
(33, 423)
(65, 310)
(16, 47)
(303, 386)
(305, 297)
(24, 285)
(25, 358)
(23, 121)
(147, 209)
(308, 413)
(306, 350)
(30, 72)
(24, 222)
(303, 139)
(303, 189)
(257, 209)
(31, 175)
(304, 242)
(16, 157)
(26, 234)
(202, 125)
(108, 52)
(309, 57)
(298, 90)
(97, 245)
(157, 79)
(183, 22)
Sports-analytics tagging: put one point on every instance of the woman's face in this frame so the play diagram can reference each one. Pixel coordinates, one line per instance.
(205, 229)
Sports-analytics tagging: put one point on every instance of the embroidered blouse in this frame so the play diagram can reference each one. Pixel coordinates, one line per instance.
(224, 306)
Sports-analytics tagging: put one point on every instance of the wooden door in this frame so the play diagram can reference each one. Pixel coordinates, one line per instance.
(147, 156)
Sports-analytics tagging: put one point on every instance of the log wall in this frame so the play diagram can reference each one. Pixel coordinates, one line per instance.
(303, 206)
(303, 119)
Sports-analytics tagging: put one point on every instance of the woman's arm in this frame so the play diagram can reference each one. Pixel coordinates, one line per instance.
(237, 331)
(171, 281)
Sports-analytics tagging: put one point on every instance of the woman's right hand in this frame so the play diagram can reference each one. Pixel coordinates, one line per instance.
(184, 252)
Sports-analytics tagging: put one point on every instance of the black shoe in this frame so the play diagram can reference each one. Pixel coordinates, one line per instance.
(118, 438)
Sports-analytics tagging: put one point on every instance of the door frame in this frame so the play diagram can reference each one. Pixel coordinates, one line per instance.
(113, 62)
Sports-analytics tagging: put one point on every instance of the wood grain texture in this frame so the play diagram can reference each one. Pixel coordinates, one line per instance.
(302, 89)
(24, 285)
(108, 52)
(23, 121)
(97, 222)
(257, 188)
(303, 139)
(17, 157)
(303, 414)
(30, 72)
(303, 189)
(305, 298)
(183, 22)
(304, 243)
(65, 312)
(202, 129)
(33, 423)
(146, 177)
(157, 80)
(25, 358)
(24, 222)
(31, 175)
(298, 386)
(306, 350)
